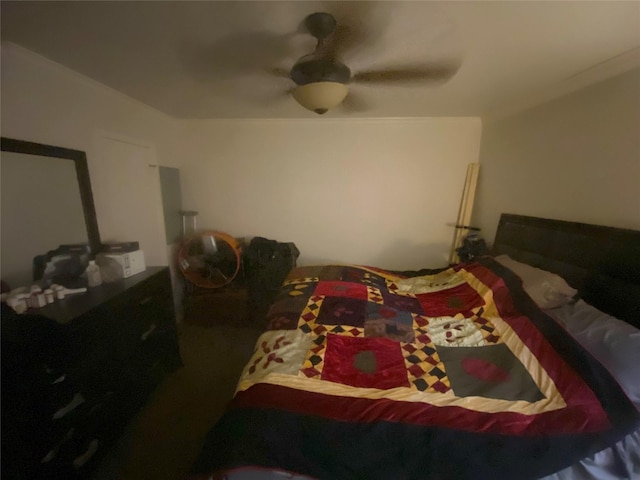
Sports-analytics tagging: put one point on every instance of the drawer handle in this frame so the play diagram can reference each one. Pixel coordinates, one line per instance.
(146, 334)
(145, 300)
(86, 456)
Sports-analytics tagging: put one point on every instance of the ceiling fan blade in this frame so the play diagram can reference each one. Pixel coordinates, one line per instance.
(343, 39)
(431, 73)
(357, 26)
(234, 54)
(277, 72)
(354, 103)
(270, 98)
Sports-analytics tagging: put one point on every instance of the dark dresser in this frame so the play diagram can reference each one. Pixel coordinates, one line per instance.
(75, 373)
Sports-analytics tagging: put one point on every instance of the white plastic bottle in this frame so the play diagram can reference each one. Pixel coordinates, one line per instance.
(94, 278)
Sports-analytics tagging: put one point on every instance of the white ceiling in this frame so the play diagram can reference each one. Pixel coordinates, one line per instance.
(208, 59)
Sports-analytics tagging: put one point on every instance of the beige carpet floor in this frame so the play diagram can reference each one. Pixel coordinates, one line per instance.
(165, 438)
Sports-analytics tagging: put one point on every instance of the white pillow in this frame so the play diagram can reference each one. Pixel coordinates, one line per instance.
(547, 289)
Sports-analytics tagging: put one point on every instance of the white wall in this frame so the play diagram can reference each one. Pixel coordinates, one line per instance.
(377, 192)
(574, 158)
(47, 103)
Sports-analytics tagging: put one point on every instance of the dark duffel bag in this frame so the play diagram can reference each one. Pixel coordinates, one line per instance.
(266, 265)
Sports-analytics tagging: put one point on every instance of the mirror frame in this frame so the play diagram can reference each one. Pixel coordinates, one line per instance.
(82, 174)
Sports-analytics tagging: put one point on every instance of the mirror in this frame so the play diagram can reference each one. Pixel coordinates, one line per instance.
(45, 201)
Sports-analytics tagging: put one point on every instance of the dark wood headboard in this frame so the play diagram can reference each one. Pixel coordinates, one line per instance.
(603, 263)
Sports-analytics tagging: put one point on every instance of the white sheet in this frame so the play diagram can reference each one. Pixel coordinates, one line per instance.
(617, 346)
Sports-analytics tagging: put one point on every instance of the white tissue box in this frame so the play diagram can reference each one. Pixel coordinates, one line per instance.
(121, 265)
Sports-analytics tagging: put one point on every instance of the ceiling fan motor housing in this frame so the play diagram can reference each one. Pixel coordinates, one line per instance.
(320, 70)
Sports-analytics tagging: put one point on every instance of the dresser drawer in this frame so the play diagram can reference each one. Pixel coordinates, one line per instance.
(123, 336)
(115, 332)
(143, 323)
(151, 296)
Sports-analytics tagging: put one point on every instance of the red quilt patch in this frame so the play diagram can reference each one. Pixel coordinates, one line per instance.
(341, 289)
(364, 362)
(447, 303)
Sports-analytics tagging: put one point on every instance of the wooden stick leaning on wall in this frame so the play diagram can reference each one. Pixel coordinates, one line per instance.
(465, 211)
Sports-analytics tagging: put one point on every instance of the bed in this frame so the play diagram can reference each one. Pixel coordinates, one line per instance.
(481, 370)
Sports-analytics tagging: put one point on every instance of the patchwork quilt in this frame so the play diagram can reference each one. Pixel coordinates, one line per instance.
(363, 373)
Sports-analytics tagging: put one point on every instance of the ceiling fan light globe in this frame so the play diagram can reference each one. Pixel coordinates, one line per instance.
(320, 96)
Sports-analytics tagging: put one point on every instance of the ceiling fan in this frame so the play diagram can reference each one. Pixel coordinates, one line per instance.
(322, 80)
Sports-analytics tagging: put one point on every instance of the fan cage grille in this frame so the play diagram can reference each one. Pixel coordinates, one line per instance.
(205, 269)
